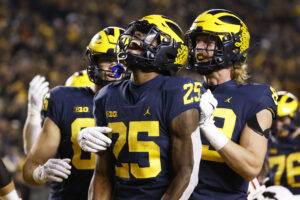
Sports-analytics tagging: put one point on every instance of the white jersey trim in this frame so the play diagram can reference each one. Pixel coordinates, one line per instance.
(197, 152)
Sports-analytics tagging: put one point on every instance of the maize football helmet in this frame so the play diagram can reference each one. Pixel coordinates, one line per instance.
(162, 46)
(103, 44)
(288, 105)
(230, 33)
(79, 79)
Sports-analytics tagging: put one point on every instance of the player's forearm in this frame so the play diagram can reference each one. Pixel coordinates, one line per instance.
(28, 169)
(186, 169)
(241, 160)
(31, 132)
(178, 185)
(101, 183)
(100, 188)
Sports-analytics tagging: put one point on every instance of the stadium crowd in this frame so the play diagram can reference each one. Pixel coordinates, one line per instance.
(49, 37)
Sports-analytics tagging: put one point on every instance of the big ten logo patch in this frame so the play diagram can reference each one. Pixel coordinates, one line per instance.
(111, 114)
(78, 109)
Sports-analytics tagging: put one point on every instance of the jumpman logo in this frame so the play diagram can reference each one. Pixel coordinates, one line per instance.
(228, 100)
(147, 111)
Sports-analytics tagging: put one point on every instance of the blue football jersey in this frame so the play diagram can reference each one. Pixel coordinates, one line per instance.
(139, 116)
(237, 103)
(284, 162)
(71, 109)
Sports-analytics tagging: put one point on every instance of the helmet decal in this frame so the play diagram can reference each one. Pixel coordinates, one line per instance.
(245, 39)
(181, 55)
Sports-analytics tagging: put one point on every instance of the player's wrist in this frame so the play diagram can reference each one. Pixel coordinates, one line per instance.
(34, 116)
(215, 137)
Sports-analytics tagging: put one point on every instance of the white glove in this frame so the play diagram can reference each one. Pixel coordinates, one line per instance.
(53, 170)
(216, 138)
(93, 139)
(208, 104)
(38, 87)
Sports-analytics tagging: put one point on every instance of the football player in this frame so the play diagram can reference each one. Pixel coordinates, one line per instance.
(7, 187)
(235, 139)
(284, 146)
(79, 79)
(56, 156)
(38, 87)
(156, 146)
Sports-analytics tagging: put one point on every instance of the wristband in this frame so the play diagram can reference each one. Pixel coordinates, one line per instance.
(11, 196)
(215, 137)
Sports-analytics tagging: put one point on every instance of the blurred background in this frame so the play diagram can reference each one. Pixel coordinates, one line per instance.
(49, 37)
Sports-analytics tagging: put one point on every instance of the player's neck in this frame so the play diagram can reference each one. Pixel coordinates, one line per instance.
(218, 77)
(95, 88)
(138, 77)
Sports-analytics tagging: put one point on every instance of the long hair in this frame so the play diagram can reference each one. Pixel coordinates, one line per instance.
(239, 72)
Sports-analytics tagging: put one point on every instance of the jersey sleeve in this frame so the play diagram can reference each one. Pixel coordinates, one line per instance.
(267, 100)
(99, 108)
(181, 94)
(52, 106)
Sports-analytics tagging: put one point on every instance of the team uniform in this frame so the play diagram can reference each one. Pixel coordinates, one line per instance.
(70, 108)
(237, 103)
(139, 116)
(284, 161)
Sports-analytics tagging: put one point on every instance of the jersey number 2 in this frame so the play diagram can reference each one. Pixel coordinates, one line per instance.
(134, 145)
(229, 123)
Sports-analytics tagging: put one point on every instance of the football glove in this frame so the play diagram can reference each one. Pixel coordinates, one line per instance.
(93, 139)
(208, 104)
(53, 170)
(38, 87)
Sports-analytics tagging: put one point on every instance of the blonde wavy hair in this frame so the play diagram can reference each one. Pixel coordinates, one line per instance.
(239, 72)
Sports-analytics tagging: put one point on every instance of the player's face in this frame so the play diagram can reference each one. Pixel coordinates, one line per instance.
(281, 124)
(137, 45)
(205, 47)
(106, 64)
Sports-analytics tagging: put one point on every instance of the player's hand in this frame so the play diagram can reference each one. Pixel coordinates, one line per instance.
(38, 87)
(53, 170)
(94, 139)
(208, 104)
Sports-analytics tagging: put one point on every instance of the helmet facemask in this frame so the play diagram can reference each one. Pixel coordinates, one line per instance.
(158, 49)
